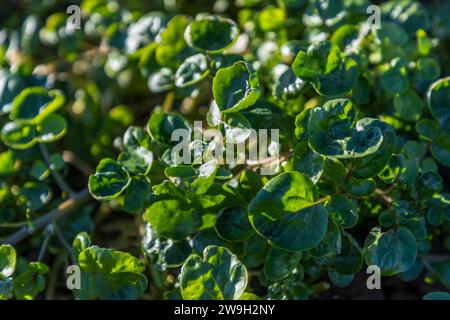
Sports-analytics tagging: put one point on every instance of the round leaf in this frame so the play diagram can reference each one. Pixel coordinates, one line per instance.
(7, 261)
(233, 225)
(325, 66)
(52, 128)
(285, 213)
(172, 218)
(331, 133)
(136, 161)
(193, 70)
(34, 104)
(236, 87)
(439, 102)
(108, 181)
(211, 34)
(393, 251)
(218, 276)
(19, 136)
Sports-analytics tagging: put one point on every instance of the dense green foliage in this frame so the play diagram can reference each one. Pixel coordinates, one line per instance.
(88, 175)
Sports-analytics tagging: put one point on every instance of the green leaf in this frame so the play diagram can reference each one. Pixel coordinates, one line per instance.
(335, 170)
(35, 195)
(160, 126)
(345, 36)
(11, 84)
(206, 174)
(7, 261)
(166, 253)
(279, 263)
(331, 134)
(218, 276)
(285, 213)
(214, 116)
(211, 34)
(326, 67)
(350, 259)
(6, 289)
(437, 295)
(111, 275)
(39, 170)
(369, 166)
(136, 194)
(343, 211)
(411, 15)
(360, 188)
(439, 102)
(52, 128)
(135, 137)
(236, 87)
(308, 162)
(172, 218)
(80, 242)
(161, 81)
(193, 70)
(441, 149)
(394, 79)
(137, 161)
(288, 85)
(31, 282)
(330, 245)
(19, 136)
(181, 171)
(393, 251)
(237, 128)
(7, 163)
(34, 104)
(338, 279)
(232, 224)
(271, 18)
(391, 34)
(408, 106)
(172, 49)
(428, 129)
(108, 181)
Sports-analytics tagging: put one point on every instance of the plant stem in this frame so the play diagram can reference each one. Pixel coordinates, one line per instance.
(61, 238)
(168, 101)
(62, 210)
(44, 245)
(13, 224)
(54, 276)
(323, 200)
(382, 194)
(58, 179)
(270, 160)
(158, 282)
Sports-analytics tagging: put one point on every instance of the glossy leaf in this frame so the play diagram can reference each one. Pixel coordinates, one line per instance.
(233, 225)
(33, 105)
(393, 251)
(219, 275)
(325, 66)
(211, 34)
(109, 180)
(285, 213)
(236, 87)
(330, 133)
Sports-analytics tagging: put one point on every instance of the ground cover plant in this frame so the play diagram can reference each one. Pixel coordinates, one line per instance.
(95, 202)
